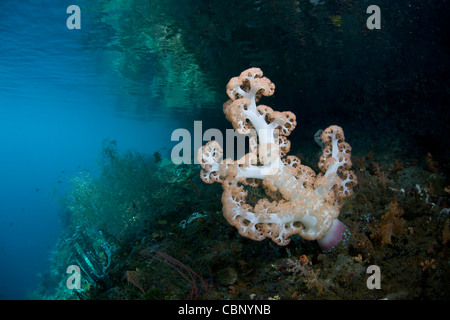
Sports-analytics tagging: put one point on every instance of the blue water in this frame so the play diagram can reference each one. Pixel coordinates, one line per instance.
(57, 103)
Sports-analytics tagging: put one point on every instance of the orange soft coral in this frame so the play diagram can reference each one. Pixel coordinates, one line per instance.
(391, 224)
(309, 204)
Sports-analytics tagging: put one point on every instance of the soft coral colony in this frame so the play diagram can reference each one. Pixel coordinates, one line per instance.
(301, 202)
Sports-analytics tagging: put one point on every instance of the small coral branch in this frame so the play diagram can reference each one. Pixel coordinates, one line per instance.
(310, 203)
(197, 284)
(134, 277)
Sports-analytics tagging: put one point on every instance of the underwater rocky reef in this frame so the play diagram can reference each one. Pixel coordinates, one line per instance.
(146, 228)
